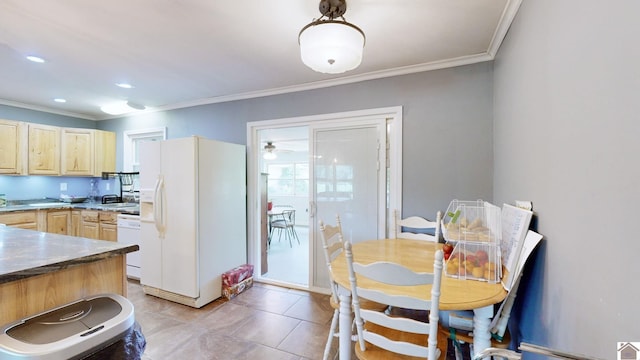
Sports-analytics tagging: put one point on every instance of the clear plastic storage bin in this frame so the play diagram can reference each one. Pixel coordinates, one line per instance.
(471, 221)
(475, 261)
(474, 229)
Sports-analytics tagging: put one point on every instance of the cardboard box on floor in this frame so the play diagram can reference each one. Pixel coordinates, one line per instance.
(237, 280)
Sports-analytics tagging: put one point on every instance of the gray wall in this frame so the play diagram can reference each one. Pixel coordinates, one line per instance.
(566, 134)
(447, 138)
(40, 117)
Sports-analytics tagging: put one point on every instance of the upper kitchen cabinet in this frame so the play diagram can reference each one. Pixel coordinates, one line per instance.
(105, 152)
(13, 139)
(78, 152)
(87, 152)
(44, 150)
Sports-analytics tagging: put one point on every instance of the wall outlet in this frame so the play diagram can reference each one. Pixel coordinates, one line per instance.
(108, 186)
(63, 186)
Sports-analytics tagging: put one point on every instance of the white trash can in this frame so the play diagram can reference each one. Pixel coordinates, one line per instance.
(71, 331)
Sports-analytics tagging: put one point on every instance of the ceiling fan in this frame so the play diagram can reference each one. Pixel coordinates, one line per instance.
(270, 150)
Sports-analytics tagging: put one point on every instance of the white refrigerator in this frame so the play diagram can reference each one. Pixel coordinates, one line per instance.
(193, 217)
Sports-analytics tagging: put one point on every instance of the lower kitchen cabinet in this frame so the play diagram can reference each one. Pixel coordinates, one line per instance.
(101, 225)
(92, 224)
(58, 221)
(89, 227)
(20, 219)
(109, 226)
(76, 220)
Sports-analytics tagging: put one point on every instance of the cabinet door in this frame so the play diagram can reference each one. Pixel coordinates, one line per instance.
(105, 159)
(20, 219)
(109, 232)
(78, 151)
(12, 147)
(76, 221)
(91, 230)
(44, 150)
(58, 222)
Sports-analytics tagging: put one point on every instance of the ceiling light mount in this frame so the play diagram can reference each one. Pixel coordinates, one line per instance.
(328, 45)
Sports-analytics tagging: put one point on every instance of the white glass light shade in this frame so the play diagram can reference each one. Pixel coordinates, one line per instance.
(331, 47)
(269, 155)
(122, 107)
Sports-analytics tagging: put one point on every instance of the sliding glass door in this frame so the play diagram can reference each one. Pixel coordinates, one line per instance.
(355, 167)
(347, 181)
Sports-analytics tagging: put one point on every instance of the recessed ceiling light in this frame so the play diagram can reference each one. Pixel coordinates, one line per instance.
(124, 85)
(60, 100)
(35, 59)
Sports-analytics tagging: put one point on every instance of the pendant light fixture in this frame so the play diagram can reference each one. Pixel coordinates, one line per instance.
(328, 45)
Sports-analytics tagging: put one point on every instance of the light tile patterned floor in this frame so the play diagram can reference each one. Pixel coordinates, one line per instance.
(265, 322)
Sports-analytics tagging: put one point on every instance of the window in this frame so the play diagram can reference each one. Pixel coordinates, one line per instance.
(334, 182)
(288, 179)
(131, 145)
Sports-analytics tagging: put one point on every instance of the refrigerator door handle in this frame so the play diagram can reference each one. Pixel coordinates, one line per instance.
(158, 206)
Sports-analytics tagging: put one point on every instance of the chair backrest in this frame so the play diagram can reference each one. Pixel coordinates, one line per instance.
(289, 217)
(396, 275)
(415, 222)
(332, 245)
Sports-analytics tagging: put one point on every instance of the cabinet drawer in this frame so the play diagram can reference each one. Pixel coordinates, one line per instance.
(18, 217)
(109, 217)
(90, 216)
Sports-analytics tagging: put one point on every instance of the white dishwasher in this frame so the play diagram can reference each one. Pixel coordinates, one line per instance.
(129, 234)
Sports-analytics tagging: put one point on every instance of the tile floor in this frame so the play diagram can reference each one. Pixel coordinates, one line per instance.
(265, 322)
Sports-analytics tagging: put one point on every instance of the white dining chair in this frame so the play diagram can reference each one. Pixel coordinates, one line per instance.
(381, 336)
(422, 228)
(332, 244)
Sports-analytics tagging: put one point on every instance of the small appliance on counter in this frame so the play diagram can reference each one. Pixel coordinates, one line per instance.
(111, 199)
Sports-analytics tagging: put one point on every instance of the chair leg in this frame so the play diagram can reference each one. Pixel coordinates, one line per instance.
(293, 231)
(332, 332)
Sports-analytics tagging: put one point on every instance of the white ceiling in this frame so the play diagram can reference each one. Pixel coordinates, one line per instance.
(180, 53)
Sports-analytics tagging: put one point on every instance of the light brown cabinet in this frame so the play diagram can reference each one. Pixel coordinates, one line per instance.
(20, 219)
(89, 226)
(59, 222)
(37, 149)
(87, 152)
(78, 152)
(13, 140)
(44, 149)
(76, 220)
(101, 225)
(105, 152)
(109, 226)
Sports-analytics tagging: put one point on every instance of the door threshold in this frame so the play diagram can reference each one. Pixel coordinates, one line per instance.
(280, 283)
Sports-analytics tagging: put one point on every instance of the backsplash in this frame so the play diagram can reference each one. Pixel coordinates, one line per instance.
(36, 187)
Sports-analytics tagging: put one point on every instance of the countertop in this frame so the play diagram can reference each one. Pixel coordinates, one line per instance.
(26, 253)
(130, 208)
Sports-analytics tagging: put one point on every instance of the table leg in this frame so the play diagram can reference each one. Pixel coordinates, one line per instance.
(481, 332)
(345, 326)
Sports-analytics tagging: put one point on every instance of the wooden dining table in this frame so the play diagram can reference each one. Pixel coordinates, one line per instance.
(418, 255)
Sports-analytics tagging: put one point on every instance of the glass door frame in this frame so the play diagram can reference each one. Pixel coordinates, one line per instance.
(393, 146)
